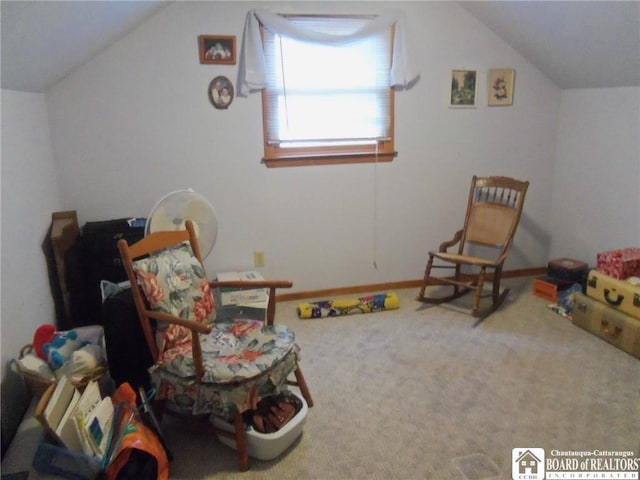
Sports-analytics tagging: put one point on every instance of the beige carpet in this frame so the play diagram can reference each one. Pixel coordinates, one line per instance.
(418, 393)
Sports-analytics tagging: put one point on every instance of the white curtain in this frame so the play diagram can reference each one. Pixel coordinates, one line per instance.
(252, 73)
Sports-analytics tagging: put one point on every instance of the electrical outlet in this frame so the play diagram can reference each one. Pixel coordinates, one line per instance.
(258, 258)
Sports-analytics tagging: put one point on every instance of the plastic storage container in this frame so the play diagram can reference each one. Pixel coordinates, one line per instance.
(267, 446)
(55, 460)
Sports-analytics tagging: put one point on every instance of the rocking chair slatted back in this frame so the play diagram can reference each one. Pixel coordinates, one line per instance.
(493, 213)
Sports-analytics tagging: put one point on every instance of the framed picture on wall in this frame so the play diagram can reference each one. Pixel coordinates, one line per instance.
(221, 92)
(463, 88)
(500, 85)
(217, 49)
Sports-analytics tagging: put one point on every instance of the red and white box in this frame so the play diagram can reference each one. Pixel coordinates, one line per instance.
(622, 263)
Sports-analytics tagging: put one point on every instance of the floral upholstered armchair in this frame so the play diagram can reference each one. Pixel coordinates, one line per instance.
(203, 366)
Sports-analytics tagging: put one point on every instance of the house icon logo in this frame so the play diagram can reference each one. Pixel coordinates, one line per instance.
(527, 463)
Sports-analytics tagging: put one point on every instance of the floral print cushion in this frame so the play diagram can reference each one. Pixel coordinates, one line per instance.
(232, 352)
(175, 282)
(187, 396)
(240, 358)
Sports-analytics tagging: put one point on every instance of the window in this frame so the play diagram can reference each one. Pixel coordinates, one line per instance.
(328, 102)
(327, 84)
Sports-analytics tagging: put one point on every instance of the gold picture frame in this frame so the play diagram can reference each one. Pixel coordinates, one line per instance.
(500, 86)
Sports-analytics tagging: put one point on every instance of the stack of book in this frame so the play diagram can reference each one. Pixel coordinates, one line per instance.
(252, 297)
(81, 422)
(241, 302)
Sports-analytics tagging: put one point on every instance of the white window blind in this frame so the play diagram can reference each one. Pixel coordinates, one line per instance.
(322, 93)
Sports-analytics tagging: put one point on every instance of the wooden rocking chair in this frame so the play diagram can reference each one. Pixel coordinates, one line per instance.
(493, 213)
(214, 368)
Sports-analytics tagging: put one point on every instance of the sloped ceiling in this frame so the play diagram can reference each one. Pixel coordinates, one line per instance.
(43, 41)
(577, 44)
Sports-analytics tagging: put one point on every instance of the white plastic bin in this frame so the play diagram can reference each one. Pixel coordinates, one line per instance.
(267, 446)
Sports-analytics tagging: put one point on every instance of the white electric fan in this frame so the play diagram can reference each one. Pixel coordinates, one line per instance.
(174, 209)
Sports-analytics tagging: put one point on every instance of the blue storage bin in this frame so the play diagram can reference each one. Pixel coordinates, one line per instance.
(55, 460)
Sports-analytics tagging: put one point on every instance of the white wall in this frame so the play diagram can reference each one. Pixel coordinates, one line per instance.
(29, 195)
(136, 123)
(596, 192)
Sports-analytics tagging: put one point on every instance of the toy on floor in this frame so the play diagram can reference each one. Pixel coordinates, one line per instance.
(334, 308)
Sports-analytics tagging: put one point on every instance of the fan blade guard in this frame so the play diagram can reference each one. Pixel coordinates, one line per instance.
(174, 209)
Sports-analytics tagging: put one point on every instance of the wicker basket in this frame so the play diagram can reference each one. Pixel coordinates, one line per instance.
(38, 385)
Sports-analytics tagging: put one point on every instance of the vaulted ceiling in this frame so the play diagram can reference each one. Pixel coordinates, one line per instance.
(577, 44)
(43, 41)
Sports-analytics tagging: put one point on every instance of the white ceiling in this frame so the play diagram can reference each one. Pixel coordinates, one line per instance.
(577, 44)
(43, 41)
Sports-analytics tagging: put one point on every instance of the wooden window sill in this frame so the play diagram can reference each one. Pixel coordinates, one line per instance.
(327, 159)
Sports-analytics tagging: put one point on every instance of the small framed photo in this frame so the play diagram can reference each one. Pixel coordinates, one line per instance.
(463, 88)
(500, 85)
(217, 49)
(221, 92)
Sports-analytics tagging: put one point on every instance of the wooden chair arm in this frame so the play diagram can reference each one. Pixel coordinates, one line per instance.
(249, 284)
(450, 243)
(198, 327)
(501, 259)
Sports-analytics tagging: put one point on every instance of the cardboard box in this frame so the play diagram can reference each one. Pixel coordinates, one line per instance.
(549, 288)
(622, 263)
